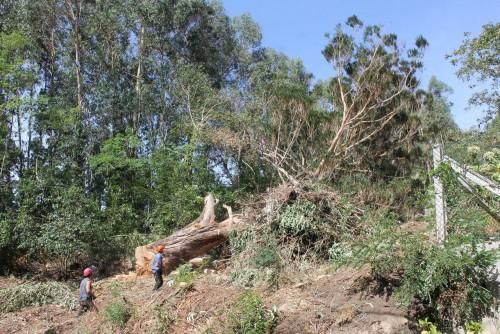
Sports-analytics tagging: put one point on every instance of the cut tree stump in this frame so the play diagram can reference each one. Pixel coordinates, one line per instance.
(196, 239)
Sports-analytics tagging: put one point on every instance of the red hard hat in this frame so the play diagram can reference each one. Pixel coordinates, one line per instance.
(87, 272)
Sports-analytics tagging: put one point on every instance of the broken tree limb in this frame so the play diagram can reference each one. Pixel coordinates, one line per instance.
(196, 239)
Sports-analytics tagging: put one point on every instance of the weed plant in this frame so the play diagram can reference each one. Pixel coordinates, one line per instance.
(117, 313)
(185, 274)
(251, 317)
(163, 319)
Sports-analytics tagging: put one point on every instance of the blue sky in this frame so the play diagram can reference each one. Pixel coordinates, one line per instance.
(297, 28)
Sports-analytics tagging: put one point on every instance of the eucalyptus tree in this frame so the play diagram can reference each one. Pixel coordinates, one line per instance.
(374, 94)
(436, 119)
(477, 59)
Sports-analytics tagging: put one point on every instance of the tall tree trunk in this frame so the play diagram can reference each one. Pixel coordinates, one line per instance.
(74, 13)
(30, 135)
(20, 143)
(6, 148)
(137, 111)
(28, 148)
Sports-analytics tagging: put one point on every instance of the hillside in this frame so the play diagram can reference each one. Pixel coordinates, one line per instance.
(321, 303)
(238, 293)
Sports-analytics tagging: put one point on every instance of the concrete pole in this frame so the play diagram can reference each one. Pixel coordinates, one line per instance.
(439, 201)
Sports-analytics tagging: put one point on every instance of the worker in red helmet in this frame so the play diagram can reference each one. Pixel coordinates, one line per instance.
(86, 294)
(157, 266)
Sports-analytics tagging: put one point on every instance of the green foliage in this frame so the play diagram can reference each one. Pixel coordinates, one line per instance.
(31, 294)
(404, 197)
(178, 191)
(431, 275)
(238, 240)
(477, 58)
(116, 288)
(117, 313)
(315, 224)
(298, 219)
(456, 198)
(173, 99)
(473, 327)
(339, 252)
(6, 231)
(66, 233)
(427, 327)
(117, 154)
(249, 315)
(166, 101)
(245, 276)
(437, 120)
(267, 256)
(365, 130)
(377, 245)
(186, 275)
(489, 163)
(436, 275)
(164, 319)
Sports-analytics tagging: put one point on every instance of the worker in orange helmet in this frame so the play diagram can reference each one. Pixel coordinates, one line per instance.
(157, 266)
(86, 294)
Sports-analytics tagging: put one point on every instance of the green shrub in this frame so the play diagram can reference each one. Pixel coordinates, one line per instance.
(250, 315)
(30, 294)
(116, 288)
(473, 327)
(339, 252)
(164, 319)
(451, 281)
(117, 313)
(238, 240)
(298, 219)
(185, 274)
(427, 327)
(312, 226)
(245, 276)
(267, 256)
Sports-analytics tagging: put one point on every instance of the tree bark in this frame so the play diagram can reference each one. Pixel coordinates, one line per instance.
(194, 240)
(137, 112)
(74, 16)
(20, 142)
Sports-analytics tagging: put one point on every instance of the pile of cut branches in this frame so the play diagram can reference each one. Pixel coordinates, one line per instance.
(35, 294)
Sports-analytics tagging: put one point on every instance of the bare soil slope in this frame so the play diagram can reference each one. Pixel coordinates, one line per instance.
(339, 302)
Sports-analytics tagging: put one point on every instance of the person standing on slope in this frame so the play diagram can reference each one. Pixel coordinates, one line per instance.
(86, 294)
(157, 267)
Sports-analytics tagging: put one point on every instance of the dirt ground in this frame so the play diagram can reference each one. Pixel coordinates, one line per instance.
(329, 303)
(337, 303)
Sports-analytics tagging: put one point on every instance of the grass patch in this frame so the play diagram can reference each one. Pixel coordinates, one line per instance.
(35, 294)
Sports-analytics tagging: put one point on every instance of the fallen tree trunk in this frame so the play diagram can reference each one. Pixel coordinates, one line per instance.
(194, 240)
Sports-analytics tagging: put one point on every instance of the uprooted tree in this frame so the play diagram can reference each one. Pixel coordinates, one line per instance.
(196, 239)
(365, 117)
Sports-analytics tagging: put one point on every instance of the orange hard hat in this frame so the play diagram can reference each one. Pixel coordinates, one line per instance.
(160, 248)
